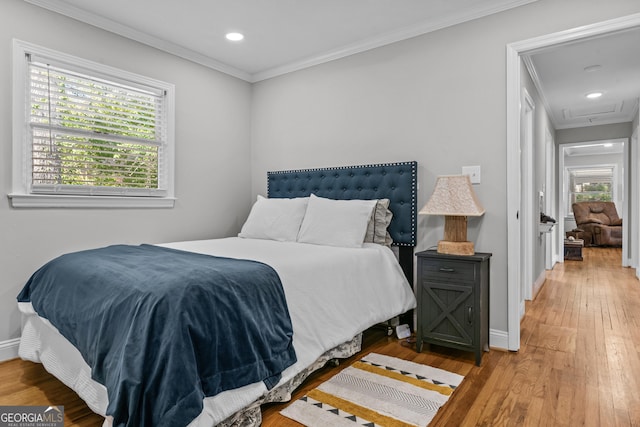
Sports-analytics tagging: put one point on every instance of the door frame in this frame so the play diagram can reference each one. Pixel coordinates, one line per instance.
(514, 85)
(528, 120)
(633, 191)
(550, 197)
(564, 182)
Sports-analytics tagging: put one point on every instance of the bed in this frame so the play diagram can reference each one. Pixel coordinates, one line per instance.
(328, 308)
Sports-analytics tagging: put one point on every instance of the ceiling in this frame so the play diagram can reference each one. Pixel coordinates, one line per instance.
(287, 35)
(280, 35)
(609, 64)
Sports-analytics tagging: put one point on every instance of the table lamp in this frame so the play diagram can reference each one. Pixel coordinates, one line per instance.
(453, 197)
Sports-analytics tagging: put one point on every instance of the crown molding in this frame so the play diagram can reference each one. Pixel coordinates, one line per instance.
(139, 36)
(484, 9)
(535, 77)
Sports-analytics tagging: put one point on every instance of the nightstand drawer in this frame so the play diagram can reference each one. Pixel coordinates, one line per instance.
(456, 271)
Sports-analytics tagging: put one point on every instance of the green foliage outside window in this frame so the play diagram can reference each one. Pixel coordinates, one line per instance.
(96, 135)
(592, 192)
(593, 197)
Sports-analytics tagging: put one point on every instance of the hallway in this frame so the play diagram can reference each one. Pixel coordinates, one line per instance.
(581, 340)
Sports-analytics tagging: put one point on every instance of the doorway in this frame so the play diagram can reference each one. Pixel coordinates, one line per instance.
(594, 171)
(516, 224)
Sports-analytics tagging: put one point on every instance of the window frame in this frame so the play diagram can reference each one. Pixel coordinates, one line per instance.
(570, 169)
(22, 195)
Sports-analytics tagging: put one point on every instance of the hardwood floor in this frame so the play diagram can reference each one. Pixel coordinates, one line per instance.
(579, 362)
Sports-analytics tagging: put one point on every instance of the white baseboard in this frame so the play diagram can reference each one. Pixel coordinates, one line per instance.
(537, 285)
(9, 349)
(498, 339)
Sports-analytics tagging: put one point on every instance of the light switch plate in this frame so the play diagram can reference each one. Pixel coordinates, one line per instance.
(473, 172)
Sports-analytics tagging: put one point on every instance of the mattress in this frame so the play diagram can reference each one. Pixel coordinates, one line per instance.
(333, 294)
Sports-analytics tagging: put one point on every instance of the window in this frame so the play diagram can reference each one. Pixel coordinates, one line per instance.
(589, 184)
(89, 135)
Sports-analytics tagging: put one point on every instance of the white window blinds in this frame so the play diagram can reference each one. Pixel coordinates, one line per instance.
(93, 134)
(590, 184)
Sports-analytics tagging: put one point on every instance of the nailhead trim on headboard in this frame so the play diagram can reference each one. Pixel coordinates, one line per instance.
(394, 181)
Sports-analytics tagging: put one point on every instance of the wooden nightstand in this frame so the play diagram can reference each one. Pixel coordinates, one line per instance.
(453, 301)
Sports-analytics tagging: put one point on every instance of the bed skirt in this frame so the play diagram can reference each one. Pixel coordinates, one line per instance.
(42, 343)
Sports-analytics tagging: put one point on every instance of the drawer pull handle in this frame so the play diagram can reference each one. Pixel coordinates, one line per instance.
(470, 315)
(447, 270)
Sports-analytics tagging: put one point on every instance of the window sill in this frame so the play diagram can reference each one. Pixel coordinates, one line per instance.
(58, 201)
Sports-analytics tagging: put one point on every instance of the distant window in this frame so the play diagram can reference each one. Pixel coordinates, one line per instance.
(589, 184)
(91, 130)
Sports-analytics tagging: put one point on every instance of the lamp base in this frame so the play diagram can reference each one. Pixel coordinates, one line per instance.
(455, 248)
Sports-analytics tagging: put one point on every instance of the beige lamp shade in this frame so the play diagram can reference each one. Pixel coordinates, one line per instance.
(453, 197)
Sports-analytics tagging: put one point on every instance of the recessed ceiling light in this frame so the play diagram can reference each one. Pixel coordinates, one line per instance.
(594, 95)
(234, 37)
(608, 144)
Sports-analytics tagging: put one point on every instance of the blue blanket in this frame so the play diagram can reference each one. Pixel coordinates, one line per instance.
(163, 328)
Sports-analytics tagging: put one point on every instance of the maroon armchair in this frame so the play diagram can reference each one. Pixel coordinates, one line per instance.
(600, 223)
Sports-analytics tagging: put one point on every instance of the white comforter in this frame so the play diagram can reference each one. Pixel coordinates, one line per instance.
(332, 293)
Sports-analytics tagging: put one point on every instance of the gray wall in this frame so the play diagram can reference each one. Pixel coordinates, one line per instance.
(212, 145)
(594, 133)
(439, 99)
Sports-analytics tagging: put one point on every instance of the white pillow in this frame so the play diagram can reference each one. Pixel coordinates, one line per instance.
(336, 222)
(275, 219)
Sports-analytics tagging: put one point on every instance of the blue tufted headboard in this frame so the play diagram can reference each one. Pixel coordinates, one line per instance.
(394, 181)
